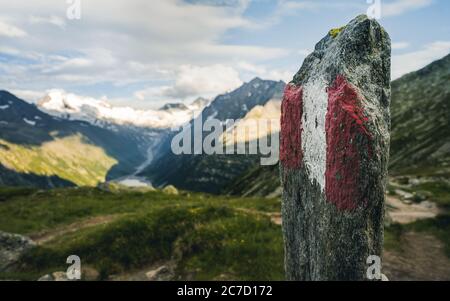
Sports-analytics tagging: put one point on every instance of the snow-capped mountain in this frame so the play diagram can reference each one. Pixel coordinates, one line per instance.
(99, 112)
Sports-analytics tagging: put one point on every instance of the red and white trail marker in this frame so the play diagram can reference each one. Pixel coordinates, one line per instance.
(334, 148)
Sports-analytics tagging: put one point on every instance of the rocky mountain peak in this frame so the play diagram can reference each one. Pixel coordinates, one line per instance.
(200, 102)
(173, 106)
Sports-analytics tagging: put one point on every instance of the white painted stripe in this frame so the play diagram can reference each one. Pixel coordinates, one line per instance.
(314, 144)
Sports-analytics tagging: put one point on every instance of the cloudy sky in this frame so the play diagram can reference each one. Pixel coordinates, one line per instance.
(144, 53)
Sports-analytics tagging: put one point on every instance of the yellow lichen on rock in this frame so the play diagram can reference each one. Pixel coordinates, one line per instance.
(336, 31)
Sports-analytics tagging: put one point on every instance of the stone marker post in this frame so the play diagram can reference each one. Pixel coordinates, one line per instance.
(334, 150)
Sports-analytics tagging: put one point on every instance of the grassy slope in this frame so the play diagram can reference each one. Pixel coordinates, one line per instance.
(256, 181)
(420, 141)
(209, 236)
(71, 158)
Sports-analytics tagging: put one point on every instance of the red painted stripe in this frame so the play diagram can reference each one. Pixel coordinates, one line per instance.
(291, 127)
(345, 121)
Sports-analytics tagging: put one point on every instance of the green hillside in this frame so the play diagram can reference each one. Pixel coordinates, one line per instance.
(118, 234)
(39, 150)
(125, 234)
(71, 158)
(421, 121)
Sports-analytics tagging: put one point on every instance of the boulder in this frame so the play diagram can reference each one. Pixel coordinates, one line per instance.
(89, 273)
(47, 277)
(12, 247)
(161, 273)
(406, 196)
(55, 276)
(170, 189)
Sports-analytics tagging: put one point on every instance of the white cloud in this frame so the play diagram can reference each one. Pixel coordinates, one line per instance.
(253, 53)
(192, 81)
(412, 61)
(9, 30)
(284, 8)
(292, 7)
(28, 95)
(52, 20)
(399, 7)
(143, 43)
(264, 72)
(304, 52)
(400, 45)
